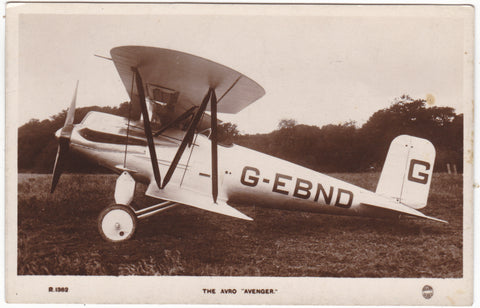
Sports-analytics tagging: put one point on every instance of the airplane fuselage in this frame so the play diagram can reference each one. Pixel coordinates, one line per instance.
(245, 176)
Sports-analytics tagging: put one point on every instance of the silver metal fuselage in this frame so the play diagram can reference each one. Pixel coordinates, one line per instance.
(245, 177)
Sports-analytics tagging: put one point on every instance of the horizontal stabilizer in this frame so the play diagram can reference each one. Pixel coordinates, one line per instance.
(403, 209)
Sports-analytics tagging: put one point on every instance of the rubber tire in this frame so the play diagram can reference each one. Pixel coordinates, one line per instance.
(107, 210)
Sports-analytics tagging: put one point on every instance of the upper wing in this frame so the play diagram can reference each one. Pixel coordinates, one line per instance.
(185, 77)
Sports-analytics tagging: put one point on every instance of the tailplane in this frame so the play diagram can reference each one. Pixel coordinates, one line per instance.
(407, 172)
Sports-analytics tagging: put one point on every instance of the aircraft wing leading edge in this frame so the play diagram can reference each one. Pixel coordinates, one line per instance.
(195, 200)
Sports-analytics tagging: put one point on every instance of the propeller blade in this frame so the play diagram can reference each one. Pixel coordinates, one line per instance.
(213, 117)
(71, 110)
(146, 126)
(63, 145)
(64, 142)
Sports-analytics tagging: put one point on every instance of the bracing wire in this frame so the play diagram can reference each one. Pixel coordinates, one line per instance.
(191, 151)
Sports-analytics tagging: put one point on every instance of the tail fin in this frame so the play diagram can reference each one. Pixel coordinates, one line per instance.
(407, 172)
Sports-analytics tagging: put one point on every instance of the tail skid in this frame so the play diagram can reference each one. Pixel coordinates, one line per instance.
(403, 209)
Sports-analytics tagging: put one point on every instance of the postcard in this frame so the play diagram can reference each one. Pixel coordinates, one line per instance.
(174, 153)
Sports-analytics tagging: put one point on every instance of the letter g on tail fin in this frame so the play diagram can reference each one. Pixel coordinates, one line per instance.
(407, 171)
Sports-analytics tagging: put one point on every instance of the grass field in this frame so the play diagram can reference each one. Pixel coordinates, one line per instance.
(57, 235)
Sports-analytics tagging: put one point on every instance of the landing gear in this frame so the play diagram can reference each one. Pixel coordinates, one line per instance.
(117, 223)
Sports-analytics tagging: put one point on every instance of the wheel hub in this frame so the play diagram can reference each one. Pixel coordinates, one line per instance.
(117, 223)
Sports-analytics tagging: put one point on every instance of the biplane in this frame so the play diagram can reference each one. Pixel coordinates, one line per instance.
(173, 148)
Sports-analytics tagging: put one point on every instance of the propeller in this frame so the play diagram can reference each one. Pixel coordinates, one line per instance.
(63, 137)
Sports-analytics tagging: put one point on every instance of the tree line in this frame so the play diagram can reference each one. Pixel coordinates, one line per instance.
(348, 148)
(330, 148)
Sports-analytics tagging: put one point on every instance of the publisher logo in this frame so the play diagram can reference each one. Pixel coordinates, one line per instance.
(427, 291)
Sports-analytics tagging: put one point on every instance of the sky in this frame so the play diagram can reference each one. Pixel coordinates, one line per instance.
(318, 64)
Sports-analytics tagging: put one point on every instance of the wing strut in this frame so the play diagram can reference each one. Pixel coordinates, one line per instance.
(213, 117)
(146, 125)
(186, 139)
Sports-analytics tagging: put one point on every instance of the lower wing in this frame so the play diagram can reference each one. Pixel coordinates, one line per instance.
(195, 200)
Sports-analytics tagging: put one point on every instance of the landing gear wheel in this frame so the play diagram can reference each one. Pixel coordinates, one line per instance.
(117, 223)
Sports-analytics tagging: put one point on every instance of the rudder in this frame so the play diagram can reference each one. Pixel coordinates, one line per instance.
(407, 171)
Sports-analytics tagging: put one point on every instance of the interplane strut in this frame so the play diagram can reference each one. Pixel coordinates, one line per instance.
(213, 116)
(187, 139)
(147, 127)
